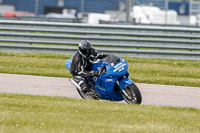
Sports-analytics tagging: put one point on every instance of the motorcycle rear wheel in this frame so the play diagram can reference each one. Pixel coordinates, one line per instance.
(83, 95)
(134, 95)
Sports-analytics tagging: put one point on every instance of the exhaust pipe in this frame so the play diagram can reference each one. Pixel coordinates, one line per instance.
(75, 84)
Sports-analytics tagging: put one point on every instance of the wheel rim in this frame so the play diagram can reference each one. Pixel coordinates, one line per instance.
(131, 95)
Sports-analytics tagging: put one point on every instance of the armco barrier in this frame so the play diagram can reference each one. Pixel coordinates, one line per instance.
(136, 41)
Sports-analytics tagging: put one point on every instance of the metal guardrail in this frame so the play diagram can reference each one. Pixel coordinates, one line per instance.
(137, 41)
(43, 18)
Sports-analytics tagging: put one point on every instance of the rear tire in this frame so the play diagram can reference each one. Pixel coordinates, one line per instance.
(83, 95)
(134, 95)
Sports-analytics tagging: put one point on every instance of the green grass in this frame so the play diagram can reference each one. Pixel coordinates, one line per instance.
(142, 70)
(40, 114)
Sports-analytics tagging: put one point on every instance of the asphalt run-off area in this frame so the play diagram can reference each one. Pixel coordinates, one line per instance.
(159, 95)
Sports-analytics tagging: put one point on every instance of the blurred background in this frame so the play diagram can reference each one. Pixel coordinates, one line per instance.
(129, 12)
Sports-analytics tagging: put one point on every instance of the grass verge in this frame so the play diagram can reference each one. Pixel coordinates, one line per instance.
(142, 70)
(24, 113)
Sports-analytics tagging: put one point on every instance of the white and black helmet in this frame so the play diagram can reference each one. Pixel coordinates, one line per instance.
(84, 48)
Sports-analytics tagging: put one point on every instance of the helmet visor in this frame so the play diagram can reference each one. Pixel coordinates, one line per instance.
(86, 52)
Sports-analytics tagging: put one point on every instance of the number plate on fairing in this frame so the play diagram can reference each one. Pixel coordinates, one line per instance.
(119, 67)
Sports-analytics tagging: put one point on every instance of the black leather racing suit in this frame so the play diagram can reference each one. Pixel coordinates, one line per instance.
(81, 68)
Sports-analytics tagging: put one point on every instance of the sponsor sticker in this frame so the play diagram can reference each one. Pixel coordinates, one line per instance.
(119, 67)
(109, 80)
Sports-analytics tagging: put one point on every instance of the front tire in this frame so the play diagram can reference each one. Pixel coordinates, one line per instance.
(134, 95)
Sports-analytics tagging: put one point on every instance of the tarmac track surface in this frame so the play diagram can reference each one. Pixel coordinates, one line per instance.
(160, 95)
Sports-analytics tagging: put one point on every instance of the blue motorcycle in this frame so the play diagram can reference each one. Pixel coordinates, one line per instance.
(113, 83)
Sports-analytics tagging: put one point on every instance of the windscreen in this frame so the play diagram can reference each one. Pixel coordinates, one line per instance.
(111, 59)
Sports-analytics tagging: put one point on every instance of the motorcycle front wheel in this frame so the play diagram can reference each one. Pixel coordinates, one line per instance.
(133, 94)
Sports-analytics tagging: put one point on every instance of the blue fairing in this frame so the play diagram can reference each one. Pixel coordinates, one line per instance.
(105, 84)
(125, 81)
(116, 70)
(68, 64)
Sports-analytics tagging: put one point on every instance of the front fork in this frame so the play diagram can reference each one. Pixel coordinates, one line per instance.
(122, 89)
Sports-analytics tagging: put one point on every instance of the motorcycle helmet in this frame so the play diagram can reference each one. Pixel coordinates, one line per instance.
(85, 48)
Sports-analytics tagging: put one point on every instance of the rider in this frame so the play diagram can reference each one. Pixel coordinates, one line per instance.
(81, 64)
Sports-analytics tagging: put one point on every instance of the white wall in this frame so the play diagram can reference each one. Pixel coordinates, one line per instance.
(5, 8)
(117, 15)
(93, 18)
(153, 15)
